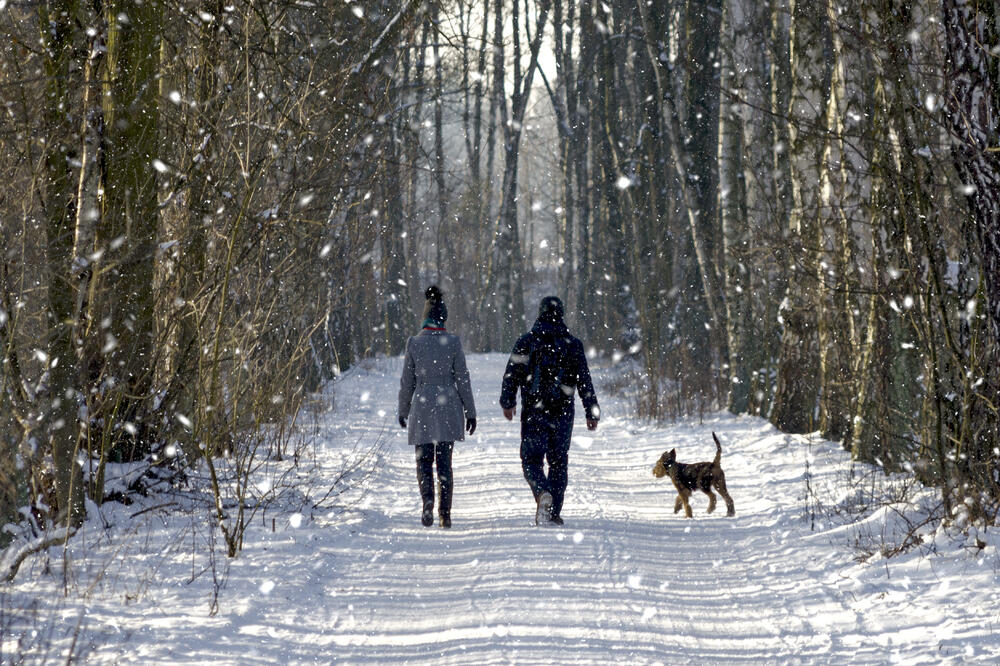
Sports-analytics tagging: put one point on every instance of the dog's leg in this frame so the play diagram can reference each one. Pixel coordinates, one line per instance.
(686, 499)
(720, 485)
(678, 503)
(711, 501)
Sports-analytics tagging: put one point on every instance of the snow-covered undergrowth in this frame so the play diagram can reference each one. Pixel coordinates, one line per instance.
(802, 574)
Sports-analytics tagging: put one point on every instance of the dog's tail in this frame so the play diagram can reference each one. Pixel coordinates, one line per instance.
(718, 451)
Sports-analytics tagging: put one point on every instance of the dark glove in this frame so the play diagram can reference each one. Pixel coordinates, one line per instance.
(470, 425)
(402, 422)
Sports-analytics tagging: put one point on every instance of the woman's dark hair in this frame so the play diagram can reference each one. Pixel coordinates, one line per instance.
(433, 294)
(435, 311)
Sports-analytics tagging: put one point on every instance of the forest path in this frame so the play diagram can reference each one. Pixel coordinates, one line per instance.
(624, 580)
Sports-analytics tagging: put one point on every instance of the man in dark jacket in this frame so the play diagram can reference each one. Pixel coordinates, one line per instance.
(548, 365)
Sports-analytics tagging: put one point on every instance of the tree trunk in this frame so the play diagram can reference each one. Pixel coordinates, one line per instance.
(844, 234)
(622, 303)
(396, 294)
(751, 251)
(972, 106)
(795, 396)
(130, 213)
(412, 152)
(442, 197)
(60, 414)
(585, 306)
(566, 76)
(693, 164)
(730, 216)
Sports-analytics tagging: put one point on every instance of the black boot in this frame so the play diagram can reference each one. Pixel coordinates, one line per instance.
(543, 514)
(427, 517)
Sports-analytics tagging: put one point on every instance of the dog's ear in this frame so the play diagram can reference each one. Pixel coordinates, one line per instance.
(672, 455)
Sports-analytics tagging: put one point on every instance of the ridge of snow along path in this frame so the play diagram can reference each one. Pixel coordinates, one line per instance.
(624, 581)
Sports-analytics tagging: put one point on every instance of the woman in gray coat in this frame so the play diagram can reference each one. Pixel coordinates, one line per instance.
(435, 404)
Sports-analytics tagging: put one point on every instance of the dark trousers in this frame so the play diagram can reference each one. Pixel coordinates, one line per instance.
(546, 438)
(427, 454)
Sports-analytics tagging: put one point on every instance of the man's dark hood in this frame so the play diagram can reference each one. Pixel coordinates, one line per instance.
(551, 309)
(555, 329)
(550, 319)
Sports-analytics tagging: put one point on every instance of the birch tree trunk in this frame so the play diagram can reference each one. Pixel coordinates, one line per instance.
(844, 235)
(973, 113)
(795, 396)
(879, 361)
(730, 207)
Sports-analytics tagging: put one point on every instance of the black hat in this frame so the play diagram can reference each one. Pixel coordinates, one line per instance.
(435, 311)
(551, 309)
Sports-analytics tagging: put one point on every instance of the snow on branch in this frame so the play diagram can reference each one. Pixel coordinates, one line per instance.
(17, 553)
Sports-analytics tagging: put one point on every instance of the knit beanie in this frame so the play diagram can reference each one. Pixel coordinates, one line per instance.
(435, 311)
(551, 309)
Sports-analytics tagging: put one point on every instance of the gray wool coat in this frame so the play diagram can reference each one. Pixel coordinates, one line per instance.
(435, 392)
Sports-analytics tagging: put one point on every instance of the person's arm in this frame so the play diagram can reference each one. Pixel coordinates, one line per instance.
(585, 387)
(463, 382)
(514, 375)
(407, 383)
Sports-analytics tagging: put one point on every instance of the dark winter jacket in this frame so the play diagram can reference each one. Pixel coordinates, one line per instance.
(573, 372)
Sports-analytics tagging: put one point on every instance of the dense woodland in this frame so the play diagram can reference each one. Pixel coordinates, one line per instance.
(788, 209)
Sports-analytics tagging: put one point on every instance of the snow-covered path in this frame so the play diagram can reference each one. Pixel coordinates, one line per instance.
(624, 581)
(624, 578)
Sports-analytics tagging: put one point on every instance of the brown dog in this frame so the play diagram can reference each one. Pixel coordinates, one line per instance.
(701, 476)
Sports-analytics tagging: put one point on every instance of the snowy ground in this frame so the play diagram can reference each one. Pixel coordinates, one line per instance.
(625, 581)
